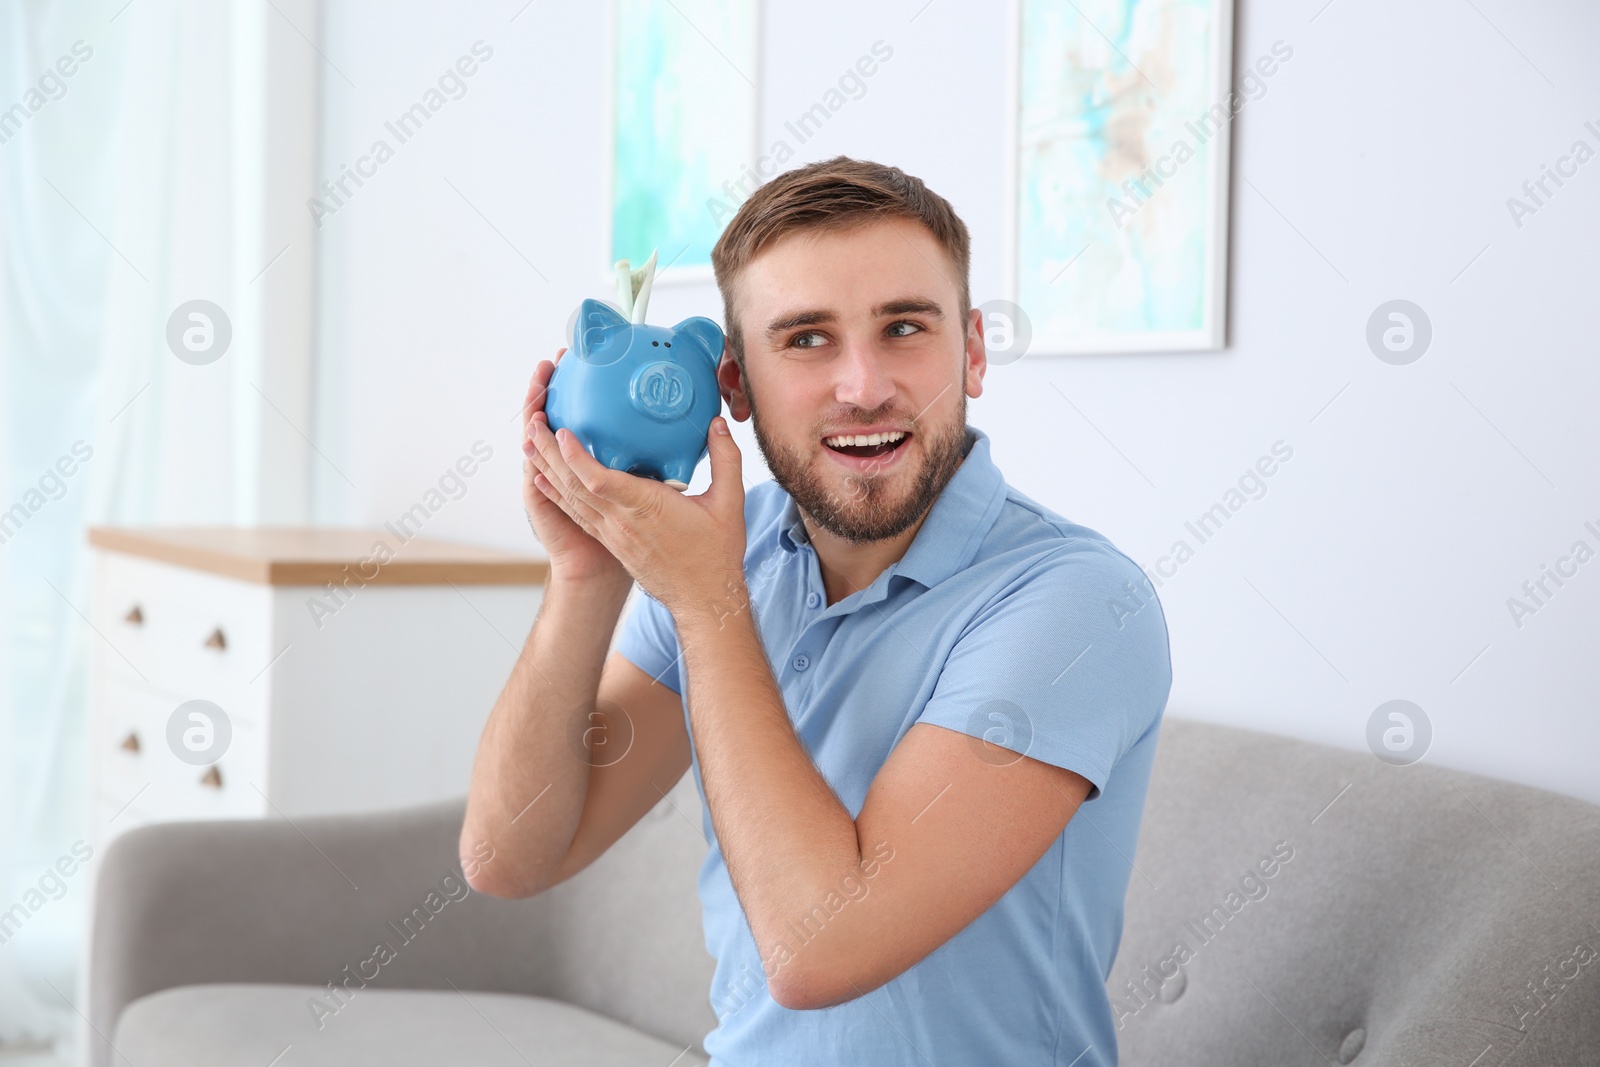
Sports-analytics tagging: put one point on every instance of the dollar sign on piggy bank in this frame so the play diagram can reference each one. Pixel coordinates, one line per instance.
(640, 398)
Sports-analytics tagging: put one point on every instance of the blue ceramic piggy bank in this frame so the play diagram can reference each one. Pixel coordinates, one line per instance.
(640, 398)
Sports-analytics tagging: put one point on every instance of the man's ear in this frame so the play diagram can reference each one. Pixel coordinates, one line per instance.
(734, 391)
(976, 354)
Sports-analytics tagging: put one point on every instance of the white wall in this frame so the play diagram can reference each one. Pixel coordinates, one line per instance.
(1377, 166)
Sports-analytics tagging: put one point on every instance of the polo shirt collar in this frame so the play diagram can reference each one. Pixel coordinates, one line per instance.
(956, 525)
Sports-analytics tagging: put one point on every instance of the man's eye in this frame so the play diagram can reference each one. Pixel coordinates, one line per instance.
(794, 342)
(904, 322)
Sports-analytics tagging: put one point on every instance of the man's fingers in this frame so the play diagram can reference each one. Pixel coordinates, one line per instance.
(727, 470)
(576, 505)
(588, 473)
(538, 438)
(569, 490)
(534, 399)
(552, 462)
(538, 385)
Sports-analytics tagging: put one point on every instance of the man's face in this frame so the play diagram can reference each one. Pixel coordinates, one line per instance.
(850, 334)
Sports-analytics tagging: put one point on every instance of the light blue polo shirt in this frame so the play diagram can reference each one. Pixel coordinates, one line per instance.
(1003, 620)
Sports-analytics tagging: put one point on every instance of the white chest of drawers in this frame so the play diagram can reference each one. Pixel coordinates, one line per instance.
(345, 683)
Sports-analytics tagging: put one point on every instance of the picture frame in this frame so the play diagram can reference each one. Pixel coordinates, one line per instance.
(1055, 223)
(701, 169)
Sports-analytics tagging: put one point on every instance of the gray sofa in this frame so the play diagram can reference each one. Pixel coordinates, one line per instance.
(1291, 903)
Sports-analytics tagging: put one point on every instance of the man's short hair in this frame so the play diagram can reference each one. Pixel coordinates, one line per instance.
(833, 195)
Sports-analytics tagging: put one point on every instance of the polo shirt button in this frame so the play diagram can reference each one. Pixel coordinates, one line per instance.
(813, 599)
(802, 661)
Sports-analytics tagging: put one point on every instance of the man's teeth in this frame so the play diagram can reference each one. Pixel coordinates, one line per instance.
(863, 440)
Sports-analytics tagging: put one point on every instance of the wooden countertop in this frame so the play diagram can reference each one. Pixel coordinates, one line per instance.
(303, 555)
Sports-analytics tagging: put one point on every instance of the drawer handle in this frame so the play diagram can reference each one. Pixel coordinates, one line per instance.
(212, 779)
(217, 640)
(131, 742)
(135, 617)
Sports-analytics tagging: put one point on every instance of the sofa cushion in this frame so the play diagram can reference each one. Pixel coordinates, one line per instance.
(1294, 903)
(257, 1025)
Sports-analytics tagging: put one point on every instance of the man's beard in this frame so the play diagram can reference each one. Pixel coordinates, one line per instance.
(863, 511)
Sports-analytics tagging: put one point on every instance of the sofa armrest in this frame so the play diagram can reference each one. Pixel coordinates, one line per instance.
(305, 902)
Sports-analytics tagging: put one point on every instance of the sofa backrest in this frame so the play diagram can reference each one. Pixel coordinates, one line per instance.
(1297, 903)
(625, 938)
(1290, 903)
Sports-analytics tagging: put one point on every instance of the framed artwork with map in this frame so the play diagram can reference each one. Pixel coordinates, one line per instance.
(1117, 196)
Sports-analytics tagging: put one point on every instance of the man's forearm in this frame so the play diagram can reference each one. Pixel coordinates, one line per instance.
(784, 835)
(524, 756)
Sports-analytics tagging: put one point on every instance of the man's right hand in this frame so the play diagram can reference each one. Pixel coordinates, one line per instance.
(574, 555)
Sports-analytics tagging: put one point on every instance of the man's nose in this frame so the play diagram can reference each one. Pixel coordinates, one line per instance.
(863, 378)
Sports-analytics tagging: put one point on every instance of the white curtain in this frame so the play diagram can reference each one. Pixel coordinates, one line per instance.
(119, 201)
(53, 318)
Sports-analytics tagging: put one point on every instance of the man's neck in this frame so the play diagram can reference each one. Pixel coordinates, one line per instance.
(849, 566)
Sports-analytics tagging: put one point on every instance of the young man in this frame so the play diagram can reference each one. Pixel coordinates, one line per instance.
(895, 678)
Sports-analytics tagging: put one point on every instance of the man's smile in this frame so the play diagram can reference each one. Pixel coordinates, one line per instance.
(868, 453)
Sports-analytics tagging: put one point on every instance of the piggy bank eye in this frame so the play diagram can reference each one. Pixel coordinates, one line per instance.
(668, 344)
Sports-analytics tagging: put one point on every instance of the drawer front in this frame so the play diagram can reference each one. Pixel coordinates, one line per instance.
(139, 777)
(183, 631)
(120, 757)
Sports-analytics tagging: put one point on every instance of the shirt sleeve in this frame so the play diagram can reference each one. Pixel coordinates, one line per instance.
(649, 640)
(1068, 665)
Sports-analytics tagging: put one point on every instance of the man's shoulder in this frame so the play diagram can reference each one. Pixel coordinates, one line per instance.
(766, 510)
(764, 503)
(1055, 546)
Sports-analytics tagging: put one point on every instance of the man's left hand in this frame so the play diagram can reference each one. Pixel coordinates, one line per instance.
(686, 551)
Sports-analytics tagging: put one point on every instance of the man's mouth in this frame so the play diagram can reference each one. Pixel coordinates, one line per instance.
(867, 446)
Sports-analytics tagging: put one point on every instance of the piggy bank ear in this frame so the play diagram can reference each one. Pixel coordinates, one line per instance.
(596, 324)
(705, 335)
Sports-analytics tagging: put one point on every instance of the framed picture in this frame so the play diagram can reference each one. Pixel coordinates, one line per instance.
(1117, 204)
(684, 107)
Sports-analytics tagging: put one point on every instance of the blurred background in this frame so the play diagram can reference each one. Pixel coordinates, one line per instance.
(1427, 535)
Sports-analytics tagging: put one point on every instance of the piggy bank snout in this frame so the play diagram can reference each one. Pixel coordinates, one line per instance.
(662, 390)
